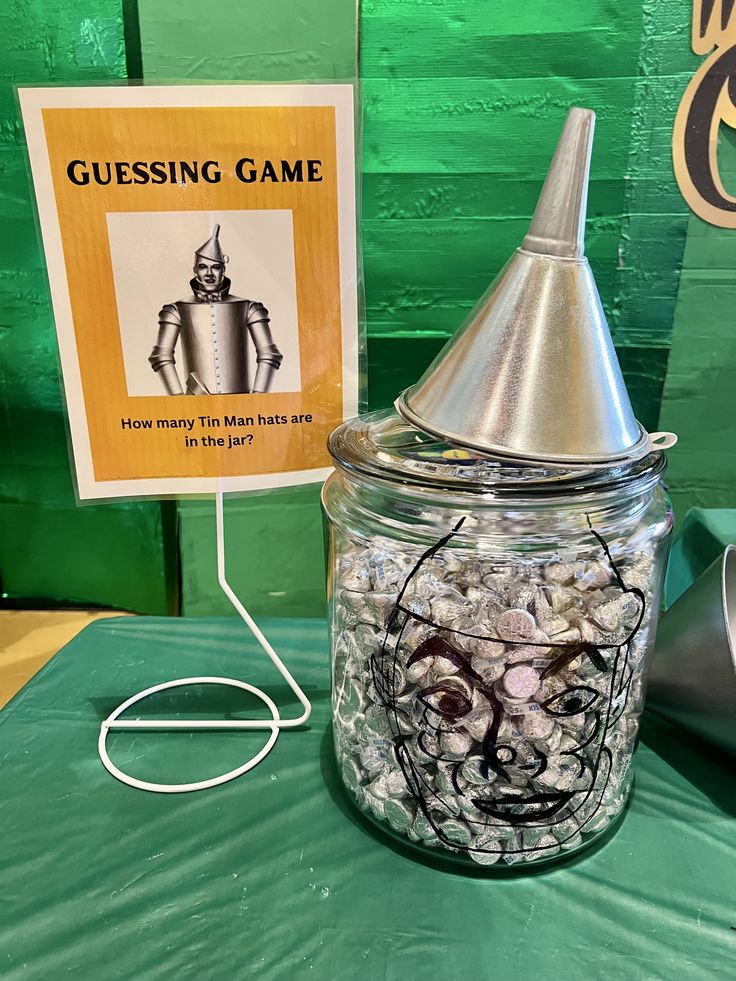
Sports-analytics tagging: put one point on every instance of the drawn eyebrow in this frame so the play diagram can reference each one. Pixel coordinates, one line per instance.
(563, 659)
(438, 647)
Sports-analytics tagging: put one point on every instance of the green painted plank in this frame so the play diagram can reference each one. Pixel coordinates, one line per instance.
(665, 48)
(462, 126)
(417, 196)
(503, 41)
(459, 125)
(60, 41)
(468, 17)
(575, 54)
(274, 41)
(482, 195)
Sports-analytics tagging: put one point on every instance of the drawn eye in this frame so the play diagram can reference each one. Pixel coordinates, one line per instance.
(572, 701)
(450, 703)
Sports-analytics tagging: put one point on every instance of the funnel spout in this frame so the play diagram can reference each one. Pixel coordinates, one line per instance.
(558, 225)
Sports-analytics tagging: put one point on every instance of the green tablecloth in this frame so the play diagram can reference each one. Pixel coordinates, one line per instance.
(273, 875)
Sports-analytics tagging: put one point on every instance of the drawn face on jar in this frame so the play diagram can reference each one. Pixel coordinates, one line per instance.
(502, 732)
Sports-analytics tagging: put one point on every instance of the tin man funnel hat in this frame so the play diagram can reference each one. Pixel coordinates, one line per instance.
(533, 373)
(211, 249)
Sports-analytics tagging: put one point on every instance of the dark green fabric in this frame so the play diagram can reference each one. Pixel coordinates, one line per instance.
(699, 398)
(702, 537)
(274, 877)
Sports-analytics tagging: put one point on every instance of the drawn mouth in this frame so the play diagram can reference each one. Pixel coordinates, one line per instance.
(515, 808)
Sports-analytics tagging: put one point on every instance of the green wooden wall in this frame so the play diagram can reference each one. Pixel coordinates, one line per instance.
(462, 104)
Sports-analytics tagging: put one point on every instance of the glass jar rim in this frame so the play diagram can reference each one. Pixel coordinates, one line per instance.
(381, 445)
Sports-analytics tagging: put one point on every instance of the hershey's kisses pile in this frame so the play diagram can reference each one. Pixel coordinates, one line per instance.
(510, 749)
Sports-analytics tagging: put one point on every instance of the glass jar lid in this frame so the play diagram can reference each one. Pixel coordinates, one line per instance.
(384, 446)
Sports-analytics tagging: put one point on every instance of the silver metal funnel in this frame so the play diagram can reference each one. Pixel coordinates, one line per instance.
(533, 374)
(692, 681)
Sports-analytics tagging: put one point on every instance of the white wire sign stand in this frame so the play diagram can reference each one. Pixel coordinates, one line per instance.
(272, 726)
(44, 146)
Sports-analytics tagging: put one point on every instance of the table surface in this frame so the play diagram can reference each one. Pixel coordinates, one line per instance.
(30, 638)
(275, 876)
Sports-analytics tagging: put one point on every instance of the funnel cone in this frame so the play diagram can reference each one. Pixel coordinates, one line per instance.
(533, 374)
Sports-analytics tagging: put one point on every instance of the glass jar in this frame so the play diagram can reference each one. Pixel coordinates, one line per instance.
(490, 627)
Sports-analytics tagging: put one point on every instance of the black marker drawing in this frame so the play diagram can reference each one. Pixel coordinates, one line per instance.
(441, 707)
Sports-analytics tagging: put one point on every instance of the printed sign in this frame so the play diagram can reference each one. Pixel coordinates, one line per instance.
(201, 249)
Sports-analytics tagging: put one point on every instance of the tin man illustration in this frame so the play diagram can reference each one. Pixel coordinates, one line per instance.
(214, 327)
